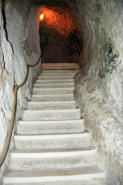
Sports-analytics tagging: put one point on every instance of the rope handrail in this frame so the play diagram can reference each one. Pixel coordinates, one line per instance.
(10, 129)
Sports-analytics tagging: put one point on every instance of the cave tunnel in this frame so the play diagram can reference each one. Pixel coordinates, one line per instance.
(60, 33)
(81, 34)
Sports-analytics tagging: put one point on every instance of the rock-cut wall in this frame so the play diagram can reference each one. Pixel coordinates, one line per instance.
(19, 29)
(99, 84)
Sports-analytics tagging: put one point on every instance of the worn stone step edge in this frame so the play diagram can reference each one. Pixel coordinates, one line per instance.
(52, 111)
(62, 138)
(50, 81)
(38, 115)
(67, 88)
(37, 177)
(53, 95)
(61, 67)
(52, 160)
(53, 141)
(56, 67)
(57, 83)
(33, 155)
(50, 127)
(55, 90)
(51, 105)
(51, 122)
(45, 137)
(60, 64)
(59, 72)
(49, 98)
(55, 78)
(56, 74)
(48, 85)
(56, 124)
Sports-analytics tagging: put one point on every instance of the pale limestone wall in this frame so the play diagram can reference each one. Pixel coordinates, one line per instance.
(99, 91)
(6, 82)
(15, 30)
(19, 27)
(31, 46)
(98, 85)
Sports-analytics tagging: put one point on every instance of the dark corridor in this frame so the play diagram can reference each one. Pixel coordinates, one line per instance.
(60, 35)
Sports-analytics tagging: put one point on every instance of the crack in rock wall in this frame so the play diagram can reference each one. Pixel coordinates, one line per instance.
(99, 84)
(6, 82)
(18, 25)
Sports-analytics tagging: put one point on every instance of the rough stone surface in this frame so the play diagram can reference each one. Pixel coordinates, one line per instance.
(6, 82)
(99, 83)
(53, 156)
(15, 24)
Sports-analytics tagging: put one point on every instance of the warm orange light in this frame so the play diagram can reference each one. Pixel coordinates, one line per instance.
(42, 17)
(60, 20)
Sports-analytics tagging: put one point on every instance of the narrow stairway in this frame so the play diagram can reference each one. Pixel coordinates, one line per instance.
(51, 144)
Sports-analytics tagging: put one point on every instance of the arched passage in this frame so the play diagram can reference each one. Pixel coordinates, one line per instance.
(98, 83)
(60, 34)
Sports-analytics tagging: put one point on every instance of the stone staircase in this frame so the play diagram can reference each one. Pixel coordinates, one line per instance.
(51, 144)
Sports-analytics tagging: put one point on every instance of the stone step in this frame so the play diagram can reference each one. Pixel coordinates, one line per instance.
(51, 105)
(53, 160)
(59, 71)
(32, 115)
(55, 64)
(49, 98)
(57, 74)
(53, 142)
(65, 76)
(55, 77)
(61, 66)
(52, 146)
(60, 81)
(51, 85)
(50, 127)
(85, 176)
(53, 91)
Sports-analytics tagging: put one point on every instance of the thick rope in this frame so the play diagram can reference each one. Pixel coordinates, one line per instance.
(11, 126)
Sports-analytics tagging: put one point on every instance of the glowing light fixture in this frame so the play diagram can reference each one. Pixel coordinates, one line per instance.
(60, 20)
(41, 17)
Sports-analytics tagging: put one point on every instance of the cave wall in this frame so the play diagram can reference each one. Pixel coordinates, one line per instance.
(6, 82)
(18, 31)
(99, 84)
